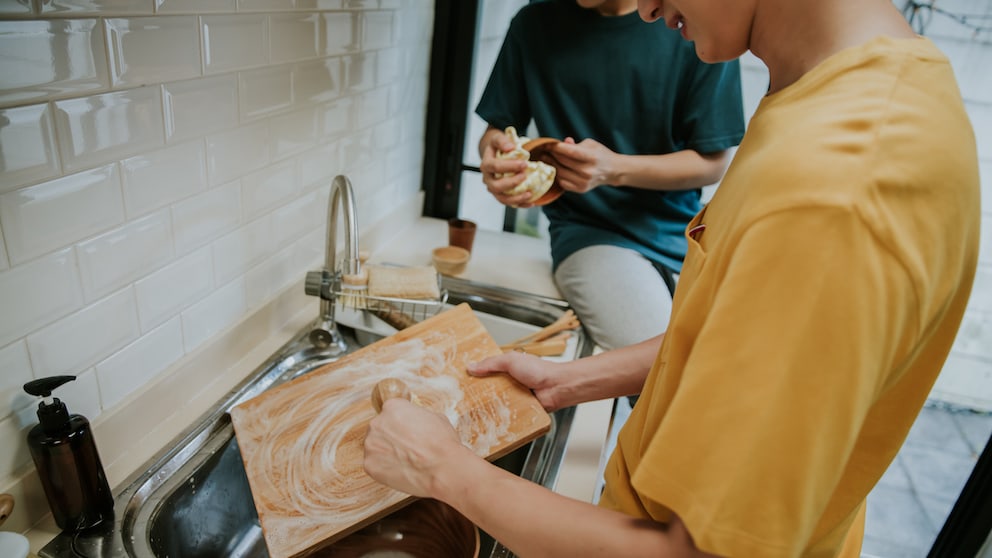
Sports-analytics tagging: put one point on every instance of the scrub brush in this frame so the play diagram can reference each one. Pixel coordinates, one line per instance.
(355, 286)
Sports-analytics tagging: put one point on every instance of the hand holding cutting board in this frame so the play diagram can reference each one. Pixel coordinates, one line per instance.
(303, 442)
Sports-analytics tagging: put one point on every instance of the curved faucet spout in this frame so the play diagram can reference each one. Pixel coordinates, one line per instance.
(342, 191)
(326, 282)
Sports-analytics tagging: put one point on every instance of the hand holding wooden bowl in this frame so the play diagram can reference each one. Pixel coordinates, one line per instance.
(539, 149)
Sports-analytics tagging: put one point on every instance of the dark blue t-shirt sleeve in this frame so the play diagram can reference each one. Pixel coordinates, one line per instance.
(712, 108)
(504, 100)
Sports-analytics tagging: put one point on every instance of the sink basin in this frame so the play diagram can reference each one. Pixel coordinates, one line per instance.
(193, 499)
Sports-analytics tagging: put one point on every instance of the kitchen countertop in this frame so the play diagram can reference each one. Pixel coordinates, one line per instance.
(508, 260)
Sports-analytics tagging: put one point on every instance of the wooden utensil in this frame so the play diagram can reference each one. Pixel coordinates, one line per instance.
(388, 389)
(302, 442)
(553, 346)
(538, 149)
(566, 321)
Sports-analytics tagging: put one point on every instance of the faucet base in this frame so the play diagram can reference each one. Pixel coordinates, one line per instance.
(326, 338)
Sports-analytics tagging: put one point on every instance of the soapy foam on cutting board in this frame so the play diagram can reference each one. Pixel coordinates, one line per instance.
(305, 444)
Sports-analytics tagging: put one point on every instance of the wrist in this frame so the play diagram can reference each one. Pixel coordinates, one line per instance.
(448, 479)
(613, 174)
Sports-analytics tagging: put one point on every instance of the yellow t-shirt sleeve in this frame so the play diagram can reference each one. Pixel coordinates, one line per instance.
(778, 383)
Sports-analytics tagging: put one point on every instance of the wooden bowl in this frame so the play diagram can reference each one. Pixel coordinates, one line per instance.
(450, 260)
(424, 529)
(538, 149)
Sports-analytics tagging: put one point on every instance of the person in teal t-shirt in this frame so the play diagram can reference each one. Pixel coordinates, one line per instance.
(653, 124)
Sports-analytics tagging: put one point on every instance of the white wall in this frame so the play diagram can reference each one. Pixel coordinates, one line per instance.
(164, 170)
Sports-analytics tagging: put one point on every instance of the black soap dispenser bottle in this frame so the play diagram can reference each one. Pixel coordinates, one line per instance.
(67, 461)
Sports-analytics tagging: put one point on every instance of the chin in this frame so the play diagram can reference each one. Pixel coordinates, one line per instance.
(711, 55)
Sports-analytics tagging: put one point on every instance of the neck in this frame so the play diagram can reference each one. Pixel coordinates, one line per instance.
(793, 36)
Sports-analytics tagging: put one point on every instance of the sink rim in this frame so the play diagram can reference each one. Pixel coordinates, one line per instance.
(145, 489)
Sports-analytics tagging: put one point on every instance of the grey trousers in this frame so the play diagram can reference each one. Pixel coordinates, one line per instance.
(618, 295)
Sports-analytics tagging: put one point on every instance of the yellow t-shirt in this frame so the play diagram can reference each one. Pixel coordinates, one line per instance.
(823, 288)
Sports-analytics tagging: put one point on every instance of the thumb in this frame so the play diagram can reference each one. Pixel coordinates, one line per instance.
(490, 365)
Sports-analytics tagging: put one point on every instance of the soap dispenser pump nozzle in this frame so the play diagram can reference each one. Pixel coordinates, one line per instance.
(52, 412)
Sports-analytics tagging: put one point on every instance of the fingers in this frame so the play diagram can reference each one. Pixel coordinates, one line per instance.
(487, 366)
(498, 364)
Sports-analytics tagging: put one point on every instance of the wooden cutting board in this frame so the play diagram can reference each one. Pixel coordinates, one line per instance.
(303, 442)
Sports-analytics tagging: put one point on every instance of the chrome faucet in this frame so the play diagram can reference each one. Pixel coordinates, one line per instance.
(326, 282)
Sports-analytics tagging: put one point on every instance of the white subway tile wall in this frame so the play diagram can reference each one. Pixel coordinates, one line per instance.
(29, 154)
(46, 59)
(40, 218)
(164, 173)
(146, 50)
(198, 107)
(104, 128)
(159, 178)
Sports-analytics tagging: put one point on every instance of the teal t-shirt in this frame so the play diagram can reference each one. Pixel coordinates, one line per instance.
(637, 88)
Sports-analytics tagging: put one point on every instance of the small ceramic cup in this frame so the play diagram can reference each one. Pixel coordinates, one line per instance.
(13, 545)
(461, 233)
(450, 260)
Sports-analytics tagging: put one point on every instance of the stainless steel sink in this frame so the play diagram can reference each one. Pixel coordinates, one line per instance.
(193, 499)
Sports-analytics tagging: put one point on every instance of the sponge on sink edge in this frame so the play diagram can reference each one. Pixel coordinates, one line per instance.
(403, 282)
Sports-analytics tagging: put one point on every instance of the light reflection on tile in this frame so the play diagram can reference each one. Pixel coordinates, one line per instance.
(234, 42)
(107, 127)
(265, 91)
(317, 81)
(341, 32)
(12, 7)
(196, 6)
(146, 50)
(202, 106)
(294, 37)
(292, 133)
(377, 30)
(54, 214)
(27, 146)
(359, 72)
(56, 58)
(66, 7)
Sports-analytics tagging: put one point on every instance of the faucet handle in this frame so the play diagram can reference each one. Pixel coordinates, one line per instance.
(318, 283)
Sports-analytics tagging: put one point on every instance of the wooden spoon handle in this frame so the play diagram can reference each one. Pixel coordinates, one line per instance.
(6, 507)
(388, 389)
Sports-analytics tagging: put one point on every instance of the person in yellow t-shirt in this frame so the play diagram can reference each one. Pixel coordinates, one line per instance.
(823, 288)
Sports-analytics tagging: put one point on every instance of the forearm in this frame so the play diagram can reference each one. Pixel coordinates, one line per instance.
(486, 139)
(533, 521)
(607, 375)
(682, 170)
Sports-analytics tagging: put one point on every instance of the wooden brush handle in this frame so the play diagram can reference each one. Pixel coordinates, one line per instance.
(388, 389)
(6, 507)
